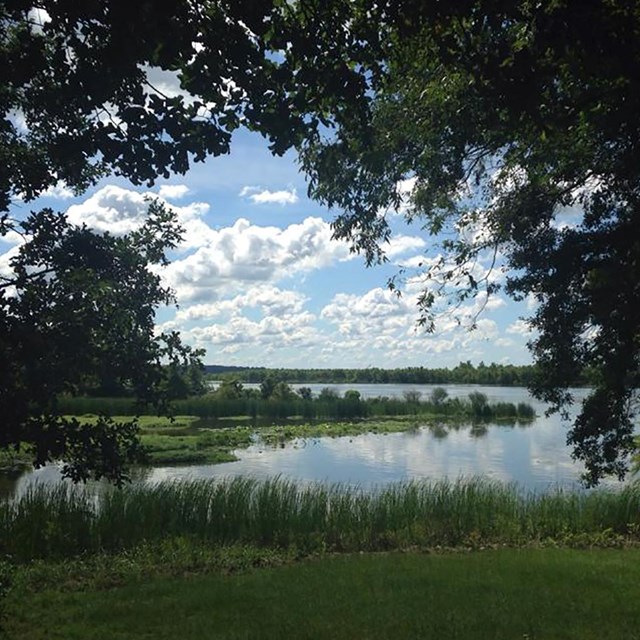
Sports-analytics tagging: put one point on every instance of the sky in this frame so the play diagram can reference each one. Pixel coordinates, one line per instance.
(259, 280)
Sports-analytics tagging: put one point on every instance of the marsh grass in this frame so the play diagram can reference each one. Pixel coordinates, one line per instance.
(321, 408)
(64, 521)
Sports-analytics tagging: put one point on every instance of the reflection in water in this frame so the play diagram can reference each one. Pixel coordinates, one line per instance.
(536, 456)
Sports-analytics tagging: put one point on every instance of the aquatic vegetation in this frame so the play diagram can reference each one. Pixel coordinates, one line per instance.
(63, 520)
(279, 434)
(328, 405)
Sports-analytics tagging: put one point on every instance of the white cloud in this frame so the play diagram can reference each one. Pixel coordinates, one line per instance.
(271, 301)
(12, 238)
(5, 258)
(237, 256)
(519, 327)
(173, 191)
(486, 329)
(18, 120)
(121, 211)
(402, 244)
(532, 302)
(6, 272)
(264, 196)
(37, 18)
(405, 190)
(376, 303)
(59, 191)
(112, 209)
(291, 330)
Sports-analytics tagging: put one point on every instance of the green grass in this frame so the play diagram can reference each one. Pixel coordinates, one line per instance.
(181, 441)
(505, 594)
(206, 446)
(62, 521)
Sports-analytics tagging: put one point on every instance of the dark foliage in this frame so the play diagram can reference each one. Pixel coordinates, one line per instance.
(77, 315)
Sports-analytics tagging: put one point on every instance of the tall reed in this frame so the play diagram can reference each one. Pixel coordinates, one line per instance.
(211, 406)
(63, 520)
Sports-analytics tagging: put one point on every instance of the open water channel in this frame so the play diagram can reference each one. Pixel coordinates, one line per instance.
(534, 455)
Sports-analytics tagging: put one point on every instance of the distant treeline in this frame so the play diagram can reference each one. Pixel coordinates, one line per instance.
(465, 373)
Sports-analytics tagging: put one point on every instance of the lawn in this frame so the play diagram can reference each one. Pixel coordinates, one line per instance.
(507, 593)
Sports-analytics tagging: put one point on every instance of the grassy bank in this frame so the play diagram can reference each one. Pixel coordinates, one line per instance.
(505, 594)
(62, 522)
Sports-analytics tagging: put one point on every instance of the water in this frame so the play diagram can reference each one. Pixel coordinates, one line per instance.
(535, 456)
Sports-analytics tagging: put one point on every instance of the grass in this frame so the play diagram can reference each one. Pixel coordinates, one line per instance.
(63, 522)
(511, 594)
(181, 440)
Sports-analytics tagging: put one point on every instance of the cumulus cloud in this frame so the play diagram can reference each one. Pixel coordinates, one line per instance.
(292, 330)
(401, 244)
(37, 18)
(376, 303)
(5, 258)
(111, 209)
(519, 327)
(243, 254)
(59, 191)
(121, 211)
(264, 196)
(270, 300)
(231, 286)
(173, 191)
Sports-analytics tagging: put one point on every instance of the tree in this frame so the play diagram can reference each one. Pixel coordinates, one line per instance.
(305, 393)
(412, 396)
(518, 126)
(230, 389)
(76, 310)
(327, 394)
(267, 387)
(438, 396)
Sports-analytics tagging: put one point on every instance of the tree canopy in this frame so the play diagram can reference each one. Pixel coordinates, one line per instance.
(76, 315)
(78, 101)
(512, 127)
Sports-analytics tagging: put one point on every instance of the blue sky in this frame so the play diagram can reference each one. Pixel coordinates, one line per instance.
(260, 281)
